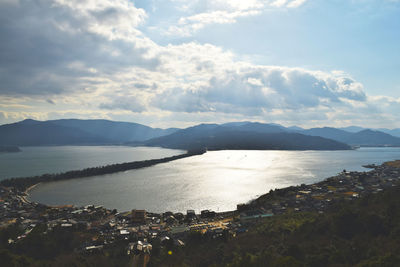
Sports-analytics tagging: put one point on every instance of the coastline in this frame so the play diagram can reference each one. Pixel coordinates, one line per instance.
(30, 188)
(30, 184)
(140, 227)
(24, 183)
(25, 196)
(353, 190)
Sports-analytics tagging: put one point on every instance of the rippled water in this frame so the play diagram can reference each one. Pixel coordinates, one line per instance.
(216, 180)
(39, 160)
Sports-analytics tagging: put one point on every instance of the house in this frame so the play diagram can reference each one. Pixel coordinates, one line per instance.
(139, 216)
(190, 214)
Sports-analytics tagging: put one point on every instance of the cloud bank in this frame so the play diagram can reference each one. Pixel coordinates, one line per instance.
(91, 59)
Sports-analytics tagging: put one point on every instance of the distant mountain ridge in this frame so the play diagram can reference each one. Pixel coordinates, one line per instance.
(36, 133)
(394, 132)
(75, 132)
(372, 138)
(95, 132)
(328, 132)
(207, 134)
(355, 129)
(362, 138)
(252, 136)
(115, 131)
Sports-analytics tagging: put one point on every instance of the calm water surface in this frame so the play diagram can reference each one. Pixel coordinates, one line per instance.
(216, 180)
(39, 160)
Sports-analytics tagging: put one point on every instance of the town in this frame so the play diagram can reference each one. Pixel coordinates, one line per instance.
(139, 230)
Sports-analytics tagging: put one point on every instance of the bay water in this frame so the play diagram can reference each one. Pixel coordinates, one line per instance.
(217, 180)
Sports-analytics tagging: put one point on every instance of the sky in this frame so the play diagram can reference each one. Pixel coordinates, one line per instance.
(177, 63)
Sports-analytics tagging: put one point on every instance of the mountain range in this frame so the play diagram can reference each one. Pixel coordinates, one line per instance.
(233, 135)
(362, 138)
(76, 132)
(249, 137)
(354, 129)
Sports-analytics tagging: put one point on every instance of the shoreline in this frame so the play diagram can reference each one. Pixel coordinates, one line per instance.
(30, 188)
(113, 227)
(254, 202)
(25, 196)
(23, 183)
(153, 162)
(26, 192)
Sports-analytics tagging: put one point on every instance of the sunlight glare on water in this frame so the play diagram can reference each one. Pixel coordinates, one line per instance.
(216, 180)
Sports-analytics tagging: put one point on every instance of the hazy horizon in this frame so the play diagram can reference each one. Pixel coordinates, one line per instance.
(199, 123)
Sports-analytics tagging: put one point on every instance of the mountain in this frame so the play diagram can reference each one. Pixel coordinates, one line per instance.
(352, 135)
(195, 134)
(261, 128)
(295, 128)
(215, 137)
(119, 132)
(362, 138)
(37, 133)
(328, 132)
(238, 123)
(356, 129)
(352, 129)
(75, 132)
(373, 138)
(93, 132)
(394, 132)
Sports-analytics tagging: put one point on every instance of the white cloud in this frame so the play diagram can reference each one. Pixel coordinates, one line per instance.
(253, 89)
(296, 3)
(130, 103)
(188, 25)
(64, 46)
(114, 19)
(82, 58)
(208, 12)
(279, 3)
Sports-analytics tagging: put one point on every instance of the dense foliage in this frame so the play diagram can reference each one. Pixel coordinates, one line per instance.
(365, 232)
(55, 248)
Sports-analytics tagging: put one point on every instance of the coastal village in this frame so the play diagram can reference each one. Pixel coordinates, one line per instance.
(139, 230)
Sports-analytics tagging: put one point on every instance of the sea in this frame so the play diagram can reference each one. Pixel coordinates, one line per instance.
(216, 180)
(33, 161)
